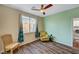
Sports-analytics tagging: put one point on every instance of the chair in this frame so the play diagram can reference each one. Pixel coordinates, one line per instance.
(9, 45)
(44, 36)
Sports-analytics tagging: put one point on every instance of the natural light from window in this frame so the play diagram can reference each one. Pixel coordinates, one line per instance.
(29, 24)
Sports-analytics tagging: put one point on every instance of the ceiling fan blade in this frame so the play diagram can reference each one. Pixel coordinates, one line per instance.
(36, 9)
(48, 6)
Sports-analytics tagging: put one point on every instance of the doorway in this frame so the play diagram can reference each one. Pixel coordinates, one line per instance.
(76, 32)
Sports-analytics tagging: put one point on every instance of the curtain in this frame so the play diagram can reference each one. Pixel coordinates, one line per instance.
(20, 34)
(37, 34)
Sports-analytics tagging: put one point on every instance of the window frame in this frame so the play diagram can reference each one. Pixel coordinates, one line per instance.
(29, 24)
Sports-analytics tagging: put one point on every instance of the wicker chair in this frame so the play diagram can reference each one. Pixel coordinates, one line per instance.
(9, 45)
(44, 36)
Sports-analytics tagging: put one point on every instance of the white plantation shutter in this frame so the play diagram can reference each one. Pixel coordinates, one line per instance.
(29, 24)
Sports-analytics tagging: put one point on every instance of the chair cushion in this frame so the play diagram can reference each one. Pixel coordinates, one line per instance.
(12, 46)
(45, 39)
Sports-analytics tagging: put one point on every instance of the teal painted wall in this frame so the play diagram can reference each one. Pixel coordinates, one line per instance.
(60, 25)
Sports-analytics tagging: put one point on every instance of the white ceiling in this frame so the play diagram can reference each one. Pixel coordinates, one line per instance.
(52, 10)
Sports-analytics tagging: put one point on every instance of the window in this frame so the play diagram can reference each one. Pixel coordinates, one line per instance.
(29, 24)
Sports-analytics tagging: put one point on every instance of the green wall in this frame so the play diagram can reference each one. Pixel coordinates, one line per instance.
(60, 25)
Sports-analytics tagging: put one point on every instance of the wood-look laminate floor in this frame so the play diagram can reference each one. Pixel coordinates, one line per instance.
(39, 47)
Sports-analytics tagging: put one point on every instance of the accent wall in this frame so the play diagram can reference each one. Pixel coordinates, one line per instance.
(60, 25)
